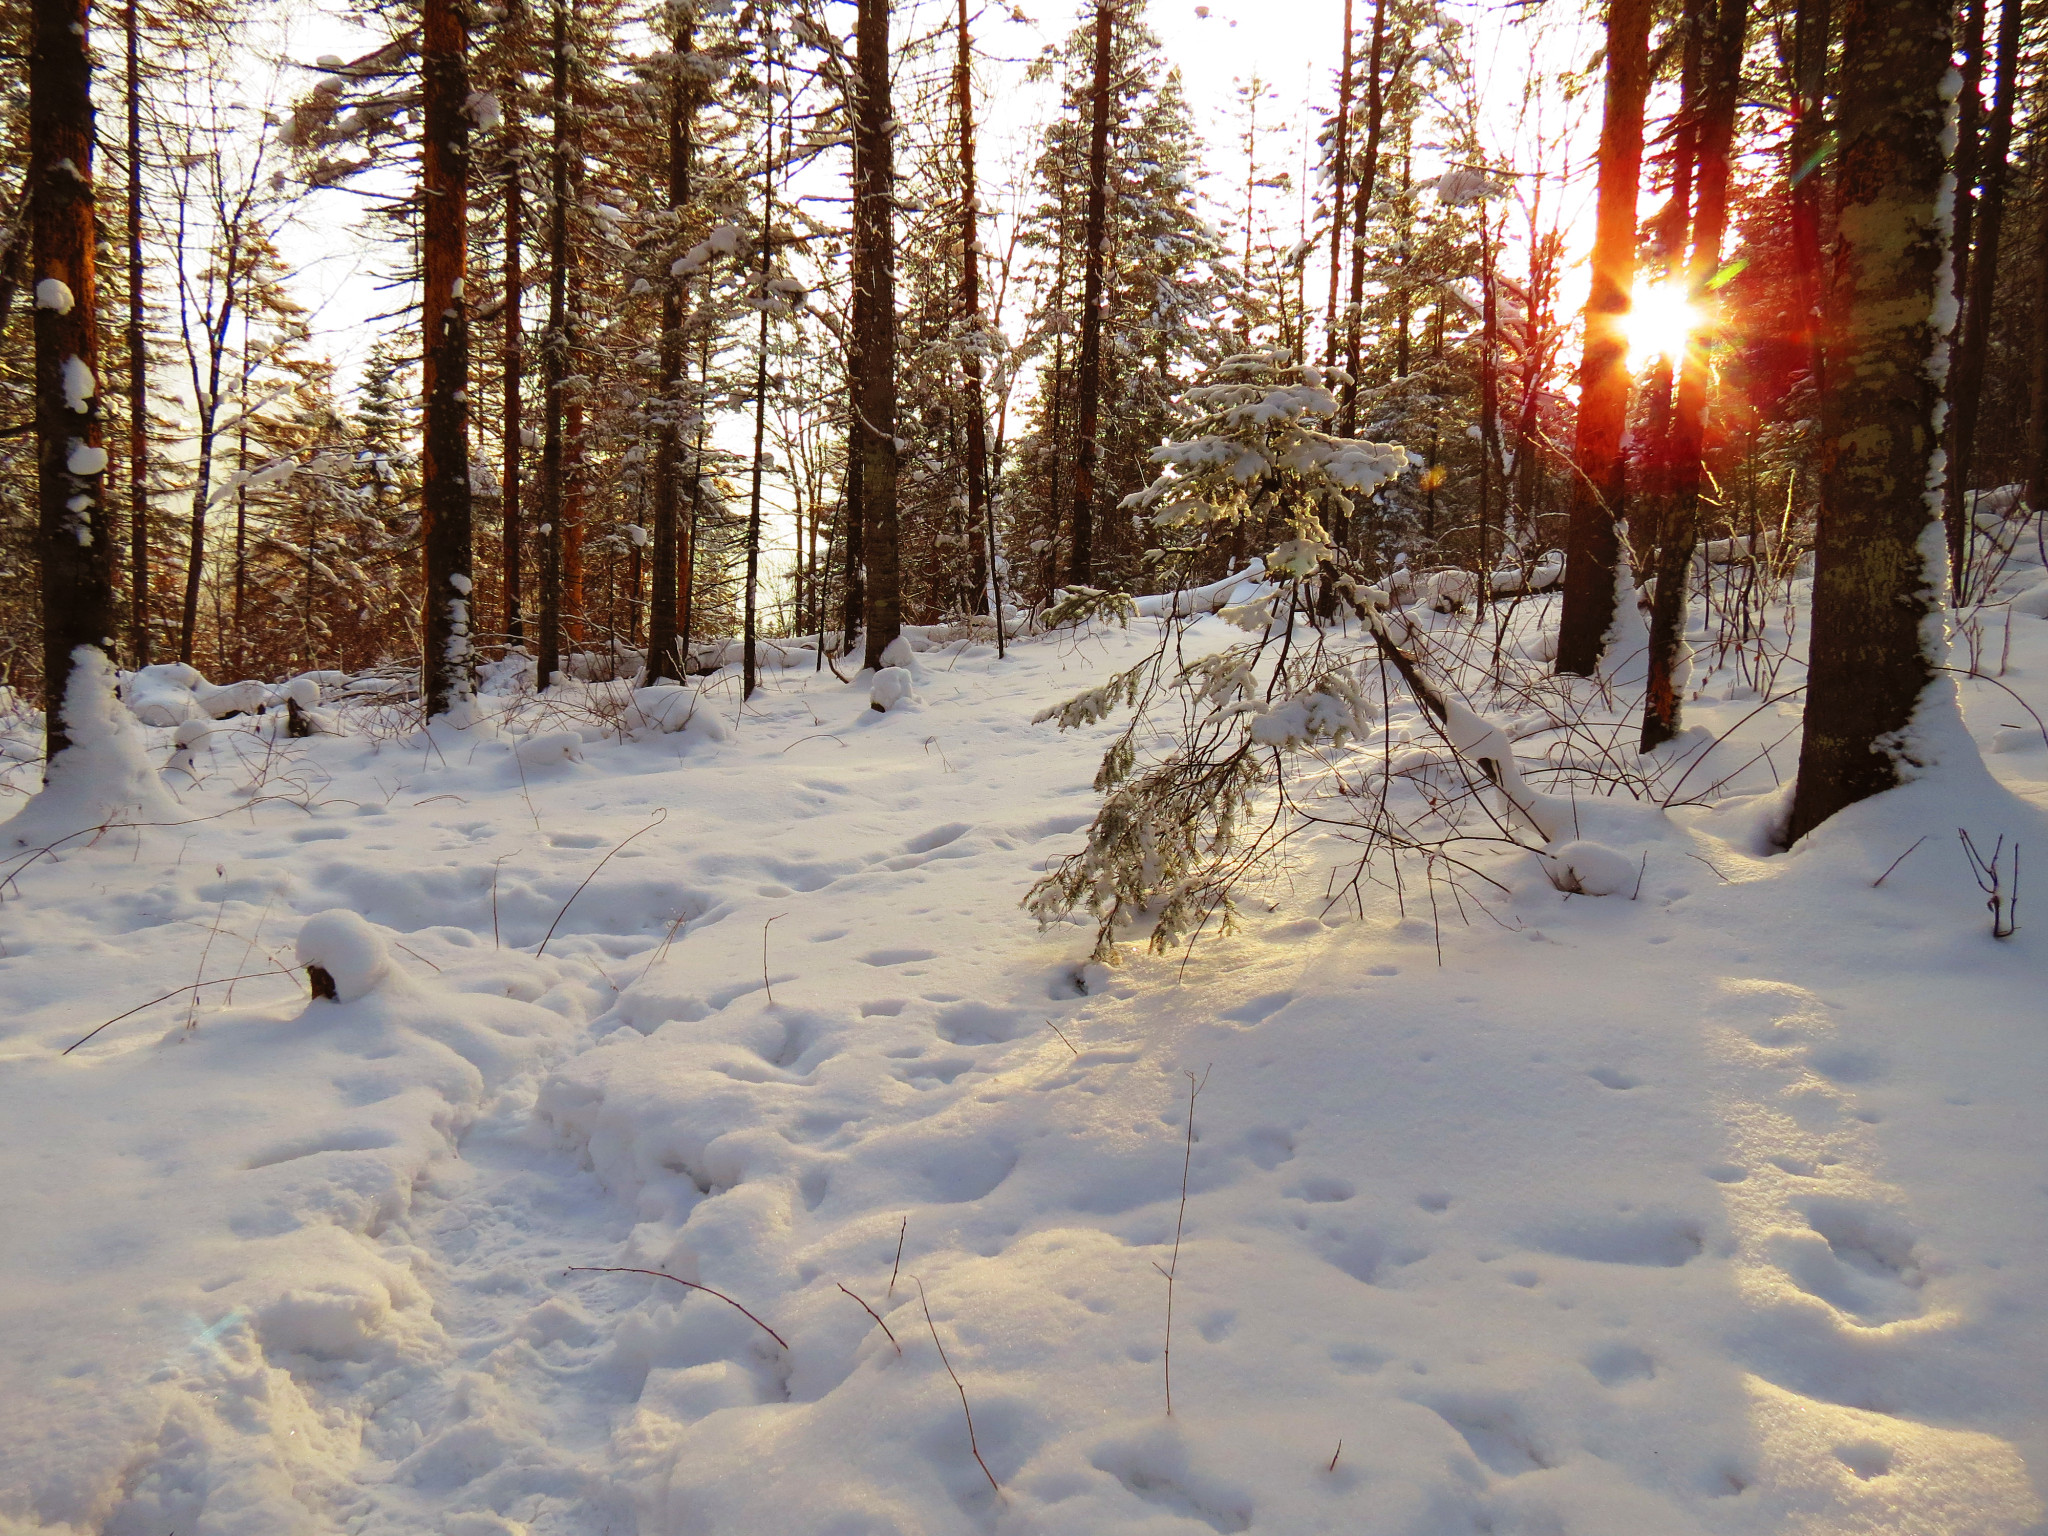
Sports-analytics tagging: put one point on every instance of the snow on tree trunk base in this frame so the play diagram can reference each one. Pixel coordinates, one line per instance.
(103, 778)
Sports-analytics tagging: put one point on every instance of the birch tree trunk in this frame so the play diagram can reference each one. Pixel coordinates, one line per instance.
(1877, 561)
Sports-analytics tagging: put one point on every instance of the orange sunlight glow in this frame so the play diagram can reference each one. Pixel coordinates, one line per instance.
(1659, 320)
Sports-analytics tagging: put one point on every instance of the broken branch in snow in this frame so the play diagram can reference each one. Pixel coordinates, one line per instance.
(616, 1269)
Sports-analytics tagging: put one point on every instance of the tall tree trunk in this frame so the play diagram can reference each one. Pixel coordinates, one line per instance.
(2034, 468)
(1719, 99)
(444, 313)
(750, 638)
(1054, 479)
(138, 358)
(73, 540)
(874, 227)
(1340, 171)
(1805, 152)
(1101, 98)
(1600, 473)
(554, 357)
(981, 516)
(1969, 131)
(513, 428)
(1966, 373)
(1361, 208)
(1876, 567)
(664, 656)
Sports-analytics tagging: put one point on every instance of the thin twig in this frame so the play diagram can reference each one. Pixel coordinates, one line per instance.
(612, 1269)
(1062, 1034)
(1333, 1457)
(901, 1232)
(871, 1312)
(1187, 1162)
(654, 821)
(768, 985)
(1895, 863)
(217, 981)
(972, 1443)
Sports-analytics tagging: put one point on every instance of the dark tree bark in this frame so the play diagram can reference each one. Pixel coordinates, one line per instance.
(664, 655)
(749, 662)
(74, 539)
(513, 425)
(1966, 371)
(1875, 577)
(1969, 132)
(1805, 152)
(1101, 101)
(2034, 467)
(1599, 479)
(1340, 171)
(555, 358)
(981, 517)
(138, 357)
(444, 315)
(1361, 206)
(874, 228)
(1719, 98)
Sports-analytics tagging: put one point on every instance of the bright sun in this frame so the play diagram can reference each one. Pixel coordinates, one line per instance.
(1659, 320)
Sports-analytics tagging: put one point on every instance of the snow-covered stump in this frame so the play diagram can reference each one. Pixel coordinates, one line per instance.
(344, 957)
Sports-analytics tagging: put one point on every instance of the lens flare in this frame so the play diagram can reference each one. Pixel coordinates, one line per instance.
(1659, 321)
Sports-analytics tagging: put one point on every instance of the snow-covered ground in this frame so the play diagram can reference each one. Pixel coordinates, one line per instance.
(1714, 1205)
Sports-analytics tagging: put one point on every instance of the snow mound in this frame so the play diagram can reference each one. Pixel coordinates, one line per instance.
(348, 951)
(674, 711)
(892, 686)
(546, 750)
(1591, 869)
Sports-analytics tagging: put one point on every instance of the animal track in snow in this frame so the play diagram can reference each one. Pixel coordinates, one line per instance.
(1654, 1239)
(880, 957)
(1607, 1077)
(1615, 1364)
(1496, 1435)
(1259, 1009)
(1269, 1146)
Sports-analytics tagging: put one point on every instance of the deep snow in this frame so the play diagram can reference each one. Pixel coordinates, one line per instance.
(1714, 1204)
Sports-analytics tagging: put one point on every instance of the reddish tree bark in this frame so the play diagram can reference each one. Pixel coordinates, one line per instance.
(74, 539)
(1680, 533)
(1599, 480)
(444, 318)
